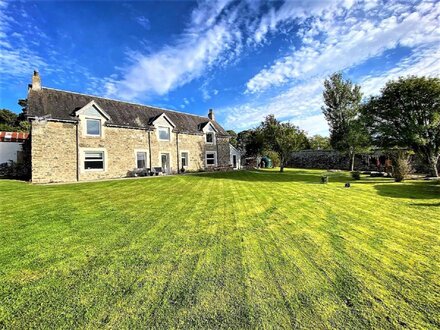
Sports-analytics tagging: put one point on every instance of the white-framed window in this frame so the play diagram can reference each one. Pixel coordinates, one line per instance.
(164, 133)
(210, 137)
(93, 127)
(211, 158)
(141, 159)
(93, 160)
(184, 159)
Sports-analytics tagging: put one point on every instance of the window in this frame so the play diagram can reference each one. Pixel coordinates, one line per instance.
(209, 137)
(164, 133)
(141, 159)
(94, 160)
(210, 158)
(93, 127)
(184, 159)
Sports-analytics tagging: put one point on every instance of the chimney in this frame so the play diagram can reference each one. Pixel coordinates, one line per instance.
(211, 115)
(36, 81)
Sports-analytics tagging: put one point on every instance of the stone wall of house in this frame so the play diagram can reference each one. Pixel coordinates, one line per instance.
(195, 146)
(53, 152)
(55, 155)
(330, 159)
(159, 147)
(119, 146)
(223, 152)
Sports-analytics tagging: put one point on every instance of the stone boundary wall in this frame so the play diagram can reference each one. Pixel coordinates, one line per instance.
(331, 159)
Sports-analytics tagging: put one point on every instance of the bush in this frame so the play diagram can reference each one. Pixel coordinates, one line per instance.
(13, 170)
(402, 167)
(324, 179)
(356, 175)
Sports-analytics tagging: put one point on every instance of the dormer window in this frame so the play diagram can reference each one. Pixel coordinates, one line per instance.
(93, 127)
(210, 137)
(164, 133)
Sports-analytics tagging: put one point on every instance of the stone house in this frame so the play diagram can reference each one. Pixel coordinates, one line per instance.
(77, 137)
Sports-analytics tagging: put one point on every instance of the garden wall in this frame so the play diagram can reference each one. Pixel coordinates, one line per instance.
(331, 159)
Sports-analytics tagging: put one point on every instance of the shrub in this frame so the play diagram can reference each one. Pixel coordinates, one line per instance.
(402, 167)
(356, 175)
(13, 170)
(324, 179)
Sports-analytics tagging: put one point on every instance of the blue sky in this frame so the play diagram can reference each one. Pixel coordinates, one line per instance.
(245, 59)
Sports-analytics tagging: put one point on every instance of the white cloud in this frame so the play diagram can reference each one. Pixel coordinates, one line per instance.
(349, 41)
(211, 38)
(422, 62)
(16, 58)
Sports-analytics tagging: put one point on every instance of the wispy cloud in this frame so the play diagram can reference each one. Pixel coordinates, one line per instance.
(342, 38)
(144, 22)
(211, 38)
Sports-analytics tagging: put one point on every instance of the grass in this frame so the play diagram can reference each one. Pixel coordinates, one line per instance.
(255, 249)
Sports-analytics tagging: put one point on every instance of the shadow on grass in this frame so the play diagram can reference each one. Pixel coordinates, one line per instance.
(415, 190)
(276, 176)
(426, 204)
(292, 175)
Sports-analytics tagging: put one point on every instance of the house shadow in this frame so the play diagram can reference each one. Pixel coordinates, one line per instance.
(413, 190)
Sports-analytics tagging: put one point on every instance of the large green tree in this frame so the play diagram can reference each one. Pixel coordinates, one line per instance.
(342, 101)
(250, 142)
(407, 114)
(282, 138)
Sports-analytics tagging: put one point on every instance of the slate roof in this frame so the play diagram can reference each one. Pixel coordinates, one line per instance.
(61, 105)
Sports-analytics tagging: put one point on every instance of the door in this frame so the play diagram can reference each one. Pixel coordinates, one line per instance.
(234, 161)
(165, 161)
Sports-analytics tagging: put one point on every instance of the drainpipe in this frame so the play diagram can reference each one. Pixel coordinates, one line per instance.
(177, 147)
(77, 151)
(216, 144)
(149, 149)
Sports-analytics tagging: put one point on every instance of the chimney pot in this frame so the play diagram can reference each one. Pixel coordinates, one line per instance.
(36, 81)
(211, 115)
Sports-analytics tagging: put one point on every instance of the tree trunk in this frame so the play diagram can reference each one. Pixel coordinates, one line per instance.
(281, 164)
(352, 161)
(433, 161)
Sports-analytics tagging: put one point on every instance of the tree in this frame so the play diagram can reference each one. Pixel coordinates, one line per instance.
(9, 121)
(233, 139)
(250, 142)
(407, 115)
(342, 108)
(282, 138)
(318, 142)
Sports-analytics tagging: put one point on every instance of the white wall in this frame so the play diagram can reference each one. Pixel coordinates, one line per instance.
(232, 152)
(8, 151)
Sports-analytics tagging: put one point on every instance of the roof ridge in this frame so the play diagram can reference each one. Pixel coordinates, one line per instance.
(132, 103)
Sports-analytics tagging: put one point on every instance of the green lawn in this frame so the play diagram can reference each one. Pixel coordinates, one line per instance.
(223, 250)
